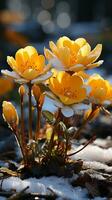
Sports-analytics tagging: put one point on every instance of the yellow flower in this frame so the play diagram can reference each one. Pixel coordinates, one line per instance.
(100, 88)
(27, 66)
(6, 85)
(10, 114)
(68, 92)
(73, 55)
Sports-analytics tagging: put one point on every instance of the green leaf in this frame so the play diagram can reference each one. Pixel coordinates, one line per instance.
(49, 117)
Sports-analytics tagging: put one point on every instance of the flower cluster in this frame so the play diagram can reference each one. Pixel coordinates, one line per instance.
(66, 83)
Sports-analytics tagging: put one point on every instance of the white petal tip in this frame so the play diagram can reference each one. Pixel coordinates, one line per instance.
(67, 111)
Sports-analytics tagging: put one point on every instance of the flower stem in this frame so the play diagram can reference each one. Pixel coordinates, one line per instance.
(22, 131)
(30, 111)
(22, 122)
(38, 121)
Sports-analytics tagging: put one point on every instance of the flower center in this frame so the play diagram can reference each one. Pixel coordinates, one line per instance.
(68, 93)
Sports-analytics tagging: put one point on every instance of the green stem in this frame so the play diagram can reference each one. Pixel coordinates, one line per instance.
(30, 112)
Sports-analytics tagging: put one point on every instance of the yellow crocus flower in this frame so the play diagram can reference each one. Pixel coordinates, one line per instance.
(73, 55)
(100, 89)
(68, 92)
(27, 66)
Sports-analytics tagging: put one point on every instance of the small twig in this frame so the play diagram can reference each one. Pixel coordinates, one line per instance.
(88, 142)
(52, 192)
(18, 196)
(22, 195)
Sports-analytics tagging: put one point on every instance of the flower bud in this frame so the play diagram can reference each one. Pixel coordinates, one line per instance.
(10, 114)
(21, 90)
(36, 92)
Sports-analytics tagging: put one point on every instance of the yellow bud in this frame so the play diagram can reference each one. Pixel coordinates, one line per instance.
(36, 92)
(10, 114)
(21, 90)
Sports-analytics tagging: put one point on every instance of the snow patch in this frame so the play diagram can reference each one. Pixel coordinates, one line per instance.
(93, 153)
(60, 186)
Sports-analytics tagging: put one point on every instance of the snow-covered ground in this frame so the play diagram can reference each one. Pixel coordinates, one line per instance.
(94, 156)
(60, 186)
(93, 153)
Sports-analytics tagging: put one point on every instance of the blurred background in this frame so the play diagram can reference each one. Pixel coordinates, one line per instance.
(38, 21)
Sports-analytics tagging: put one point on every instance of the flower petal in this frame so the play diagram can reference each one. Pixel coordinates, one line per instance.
(53, 47)
(12, 62)
(88, 89)
(83, 74)
(77, 67)
(83, 53)
(81, 106)
(64, 55)
(21, 80)
(30, 50)
(56, 63)
(11, 74)
(48, 54)
(57, 103)
(54, 99)
(50, 95)
(81, 42)
(42, 77)
(94, 54)
(30, 74)
(97, 64)
(67, 111)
